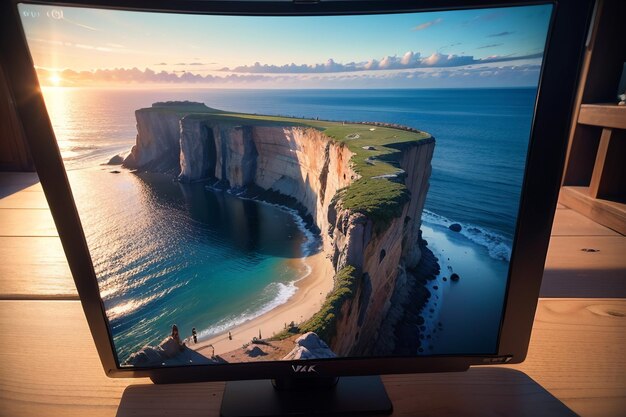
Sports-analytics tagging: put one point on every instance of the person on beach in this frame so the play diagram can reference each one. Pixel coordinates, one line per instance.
(230, 336)
(172, 345)
(194, 335)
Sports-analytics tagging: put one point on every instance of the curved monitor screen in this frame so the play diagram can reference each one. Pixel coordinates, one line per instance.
(276, 188)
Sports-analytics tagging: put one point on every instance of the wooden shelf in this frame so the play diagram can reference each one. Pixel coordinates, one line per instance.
(594, 179)
(604, 115)
(611, 214)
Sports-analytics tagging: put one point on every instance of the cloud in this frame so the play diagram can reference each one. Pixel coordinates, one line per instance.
(438, 60)
(410, 60)
(500, 34)
(426, 25)
(492, 45)
(480, 75)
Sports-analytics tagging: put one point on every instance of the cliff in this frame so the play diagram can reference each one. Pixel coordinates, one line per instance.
(363, 186)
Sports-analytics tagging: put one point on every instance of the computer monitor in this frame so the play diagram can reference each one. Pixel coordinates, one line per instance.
(299, 191)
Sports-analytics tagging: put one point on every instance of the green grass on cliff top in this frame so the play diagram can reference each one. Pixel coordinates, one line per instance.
(381, 199)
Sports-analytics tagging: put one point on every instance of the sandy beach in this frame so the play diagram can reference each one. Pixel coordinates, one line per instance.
(312, 291)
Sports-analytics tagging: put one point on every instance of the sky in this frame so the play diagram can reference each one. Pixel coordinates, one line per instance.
(465, 48)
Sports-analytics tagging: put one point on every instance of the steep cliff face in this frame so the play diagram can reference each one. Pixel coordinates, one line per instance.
(298, 162)
(158, 141)
(381, 257)
(303, 163)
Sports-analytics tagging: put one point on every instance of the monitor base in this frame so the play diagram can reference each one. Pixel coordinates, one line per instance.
(354, 395)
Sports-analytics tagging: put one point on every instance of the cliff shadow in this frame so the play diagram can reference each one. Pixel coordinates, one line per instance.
(209, 152)
(220, 218)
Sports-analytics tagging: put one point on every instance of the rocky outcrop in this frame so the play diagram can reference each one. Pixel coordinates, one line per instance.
(168, 353)
(381, 258)
(302, 163)
(158, 141)
(309, 346)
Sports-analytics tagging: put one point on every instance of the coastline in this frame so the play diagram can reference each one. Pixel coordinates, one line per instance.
(311, 294)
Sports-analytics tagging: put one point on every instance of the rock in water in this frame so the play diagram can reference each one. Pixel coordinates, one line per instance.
(455, 277)
(310, 346)
(455, 227)
(116, 160)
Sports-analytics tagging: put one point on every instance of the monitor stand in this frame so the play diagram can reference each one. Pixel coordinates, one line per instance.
(353, 395)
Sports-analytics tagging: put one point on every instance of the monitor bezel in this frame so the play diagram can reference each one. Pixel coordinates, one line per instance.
(554, 104)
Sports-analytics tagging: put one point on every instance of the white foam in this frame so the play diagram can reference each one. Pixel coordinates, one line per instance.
(283, 293)
(498, 246)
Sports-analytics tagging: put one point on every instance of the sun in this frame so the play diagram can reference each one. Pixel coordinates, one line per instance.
(55, 80)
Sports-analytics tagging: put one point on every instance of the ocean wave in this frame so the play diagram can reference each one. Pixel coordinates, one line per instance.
(281, 294)
(498, 246)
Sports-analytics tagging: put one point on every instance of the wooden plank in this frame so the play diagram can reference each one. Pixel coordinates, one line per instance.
(34, 266)
(604, 115)
(598, 167)
(17, 182)
(607, 213)
(51, 368)
(24, 199)
(18, 178)
(585, 266)
(570, 223)
(576, 353)
(26, 222)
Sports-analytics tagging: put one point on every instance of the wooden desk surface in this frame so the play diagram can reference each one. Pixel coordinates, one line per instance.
(49, 366)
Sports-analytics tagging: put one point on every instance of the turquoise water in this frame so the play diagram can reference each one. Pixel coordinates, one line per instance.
(166, 253)
(174, 253)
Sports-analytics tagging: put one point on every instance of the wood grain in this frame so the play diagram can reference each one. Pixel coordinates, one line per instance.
(605, 115)
(585, 266)
(570, 223)
(25, 198)
(34, 267)
(609, 213)
(576, 354)
(26, 222)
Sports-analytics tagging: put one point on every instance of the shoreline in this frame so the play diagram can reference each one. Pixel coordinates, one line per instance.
(311, 294)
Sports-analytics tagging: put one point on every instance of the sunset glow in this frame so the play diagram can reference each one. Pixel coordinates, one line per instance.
(55, 80)
(91, 47)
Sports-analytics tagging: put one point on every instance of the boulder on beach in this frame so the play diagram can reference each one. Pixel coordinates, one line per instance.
(168, 353)
(116, 160)
(369, 148)
(455, 227)
(310, 346)
(455, 277)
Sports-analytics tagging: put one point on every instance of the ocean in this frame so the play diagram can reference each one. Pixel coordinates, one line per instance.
(169, 253)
